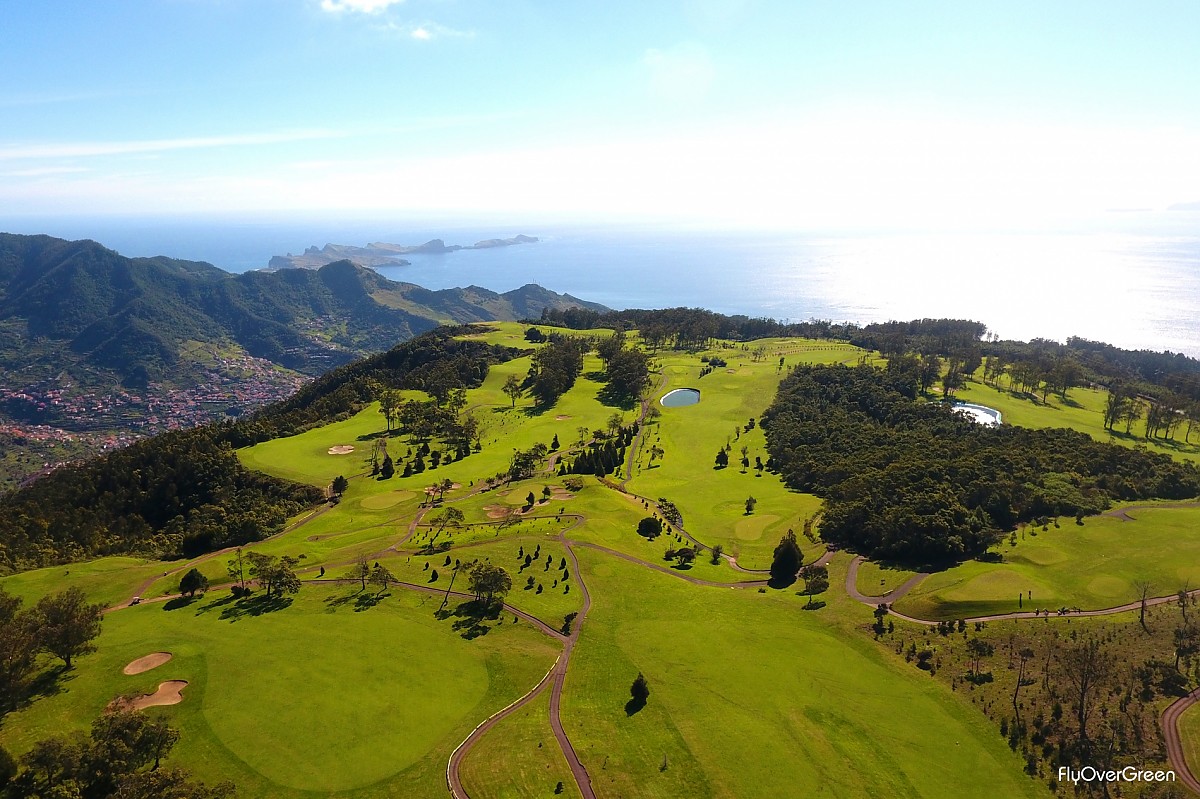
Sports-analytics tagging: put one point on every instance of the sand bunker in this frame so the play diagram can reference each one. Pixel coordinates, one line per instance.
(562, 417)
(341, 449)
(168, 693)
(430, 490)
(151, 661)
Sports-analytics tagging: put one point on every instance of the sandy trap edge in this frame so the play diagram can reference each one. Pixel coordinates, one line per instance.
(151, 661)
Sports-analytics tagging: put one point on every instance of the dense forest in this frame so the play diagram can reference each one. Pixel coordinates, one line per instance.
(914, 481)
(185, 492)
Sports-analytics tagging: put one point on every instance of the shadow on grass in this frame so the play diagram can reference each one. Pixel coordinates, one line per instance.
(180, 602)
(50, 682)
(613, 399)
(471, 617)
(366, 601)
(633, 706)
(254, 606)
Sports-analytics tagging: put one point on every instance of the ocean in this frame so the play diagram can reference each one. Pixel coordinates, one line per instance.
(1130, 279)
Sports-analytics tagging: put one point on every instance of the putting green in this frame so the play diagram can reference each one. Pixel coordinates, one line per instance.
(314, 697)
(1090, 566)
(388, 500)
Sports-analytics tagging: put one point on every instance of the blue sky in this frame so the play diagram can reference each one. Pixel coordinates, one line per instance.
(710, 111)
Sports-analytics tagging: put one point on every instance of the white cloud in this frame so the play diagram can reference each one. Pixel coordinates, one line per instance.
(426, 31)
(88, 149)
(361, 6)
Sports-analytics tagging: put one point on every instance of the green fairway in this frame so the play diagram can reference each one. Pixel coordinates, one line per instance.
(312, 698)
(108, 581)
(713, 501)
(751, 696)
(877, 580)
(1083, 411)
(1189, 735)
(519, 758)
(1095, 565)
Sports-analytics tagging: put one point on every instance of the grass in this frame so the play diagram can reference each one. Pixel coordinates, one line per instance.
(1189, 735)
(519, 758)
(108, 581)
(801, 699)
(712, 500)
(1091, 566)
(1083, 411)
(311, 698)
(875, 579)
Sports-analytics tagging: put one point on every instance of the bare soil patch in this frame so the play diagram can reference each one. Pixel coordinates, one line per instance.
(341, 449)
(151, 661)
(168, 693)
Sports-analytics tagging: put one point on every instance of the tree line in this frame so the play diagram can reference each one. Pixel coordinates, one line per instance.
(914, 481)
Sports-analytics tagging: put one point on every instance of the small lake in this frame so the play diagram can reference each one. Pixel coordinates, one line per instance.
(680, 397)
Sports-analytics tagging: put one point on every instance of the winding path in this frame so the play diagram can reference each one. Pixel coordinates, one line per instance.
(1175, 754)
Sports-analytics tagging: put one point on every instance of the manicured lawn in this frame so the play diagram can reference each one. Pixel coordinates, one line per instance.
(712, 500)
(519, 758)
(752, 697)
(1189, 734)
(1091, 566)
(1083, 411)
(312, 698)
(876, 580)
(108, 581)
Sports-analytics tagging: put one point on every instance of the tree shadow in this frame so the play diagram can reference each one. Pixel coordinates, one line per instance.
(367, 601)
(180, 602)
(255, 606)
(471, 617)
(216, 603)
(633, 706)
(610, 398)
(781, 582)
(50, 682)
(373, 436)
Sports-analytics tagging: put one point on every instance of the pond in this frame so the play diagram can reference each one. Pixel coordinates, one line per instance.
(680, 397)
(982, 414)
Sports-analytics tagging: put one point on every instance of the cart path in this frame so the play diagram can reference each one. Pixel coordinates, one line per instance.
(1170, 727)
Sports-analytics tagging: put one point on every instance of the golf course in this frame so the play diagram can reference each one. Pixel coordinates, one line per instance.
(414, 684)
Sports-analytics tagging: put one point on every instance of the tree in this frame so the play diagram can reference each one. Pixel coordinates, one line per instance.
(389, 402)
(1143, 588)
(360, 571)
(512, 389)
(816, 581)
(978, 649)
(339, 485)
(715, 556)
(192, 582)
(67, 624)
(8, 768)
(382, 577)
(1087, 667)
(237, 568)
(650, 527)
(388, 468)
(786, 561)
(18, 650)
(488, 581)
(277, 575)
(1026, 654)
(684, 556)
(750, 503)
(722, 459)
(447, 517)
(640, 690)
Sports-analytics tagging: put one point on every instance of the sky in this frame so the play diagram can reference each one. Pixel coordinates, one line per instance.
(738, 113)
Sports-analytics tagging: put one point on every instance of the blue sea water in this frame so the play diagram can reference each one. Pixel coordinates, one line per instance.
(1130, 279)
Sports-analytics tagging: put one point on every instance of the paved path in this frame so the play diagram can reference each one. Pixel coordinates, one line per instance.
(1170, 727)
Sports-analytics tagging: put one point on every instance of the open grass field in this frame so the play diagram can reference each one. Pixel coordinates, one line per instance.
(360, 694)
(519, 758)
(1189, 733)
(712, 500)
(315, 697)
(1083, 411)
(107, 581)
(752, 697)
(1090, 566)
(876, 580)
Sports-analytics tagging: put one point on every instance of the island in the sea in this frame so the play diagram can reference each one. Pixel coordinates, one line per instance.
(381, 253)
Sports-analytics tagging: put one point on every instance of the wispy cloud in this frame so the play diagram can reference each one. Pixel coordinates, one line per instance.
(45, 171)
(360, 6)
(89, 149)
(426, 31)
